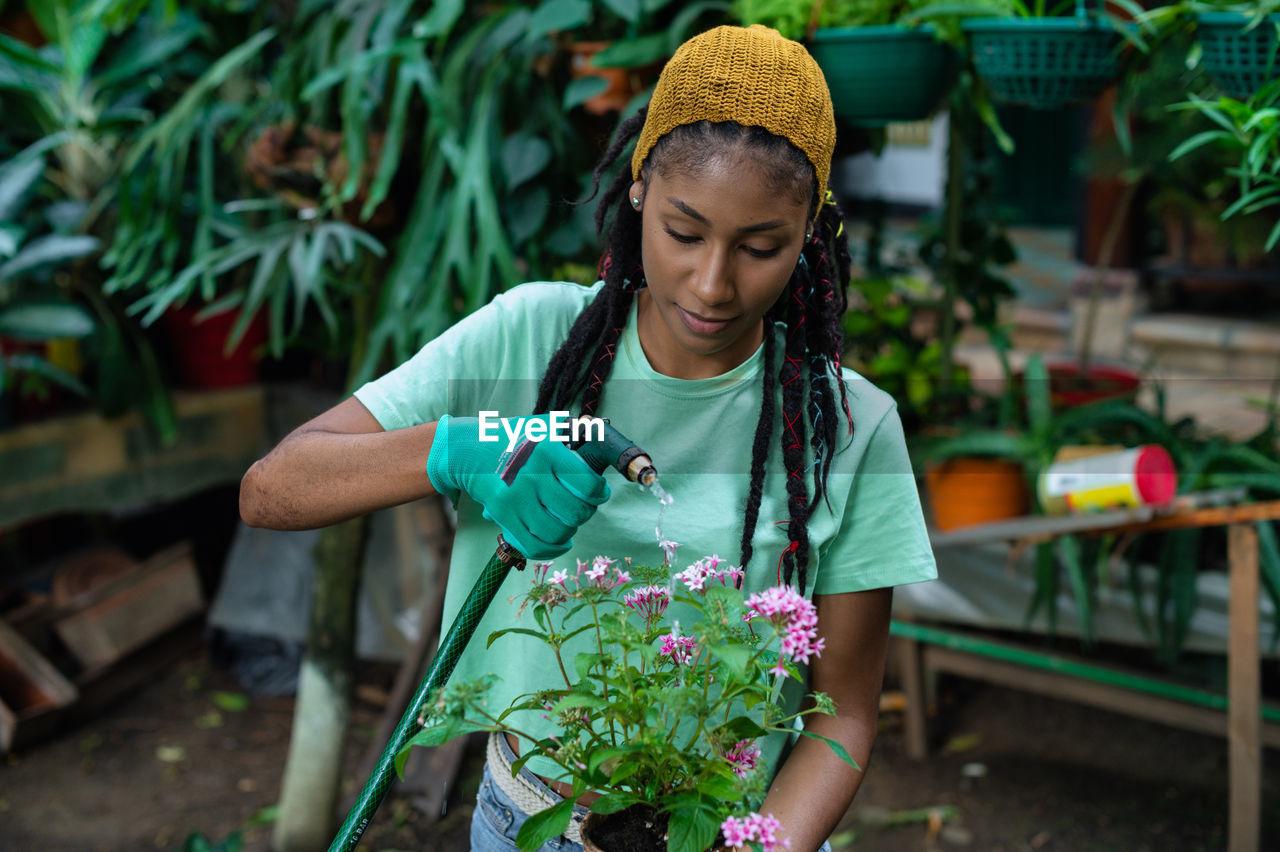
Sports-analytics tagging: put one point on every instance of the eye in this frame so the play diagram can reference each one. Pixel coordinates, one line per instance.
(763, 254)
(678, 237)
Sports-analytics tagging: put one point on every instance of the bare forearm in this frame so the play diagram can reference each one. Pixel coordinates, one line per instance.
(315, 478)
(808, 811)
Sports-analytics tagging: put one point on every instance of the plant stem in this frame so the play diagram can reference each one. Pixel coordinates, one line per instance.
(1105, 253)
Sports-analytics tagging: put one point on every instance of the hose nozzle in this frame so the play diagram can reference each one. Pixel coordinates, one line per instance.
(603, 446)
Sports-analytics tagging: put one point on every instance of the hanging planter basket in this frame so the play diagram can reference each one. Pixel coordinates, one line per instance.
(879, 75)
(1240, 59)
(1044, 62)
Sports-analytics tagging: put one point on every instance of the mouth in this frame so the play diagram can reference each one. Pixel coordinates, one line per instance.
(702, 325)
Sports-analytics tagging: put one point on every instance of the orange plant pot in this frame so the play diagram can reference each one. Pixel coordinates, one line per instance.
(967, 491)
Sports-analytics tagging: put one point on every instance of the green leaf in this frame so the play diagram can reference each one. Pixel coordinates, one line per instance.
(555, 15)
(612, 803)
(232, 701)
(633, 53)
(577, 699)
(1069, 548)
(522, 630)
(628, 10)
(48, 250)
(581, 90)
(735, 657)
(16, 181)
(545, 825)
(10, 238)
(835, 746)
(45, 322)
(743, 728)
(524, 156)
(691, 830)
(441, 18)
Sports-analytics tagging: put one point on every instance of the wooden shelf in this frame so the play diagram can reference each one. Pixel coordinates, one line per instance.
(88, 463)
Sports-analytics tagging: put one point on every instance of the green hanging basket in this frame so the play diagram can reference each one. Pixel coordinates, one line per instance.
(1240, 61)
(878, 75)
(1044, 62)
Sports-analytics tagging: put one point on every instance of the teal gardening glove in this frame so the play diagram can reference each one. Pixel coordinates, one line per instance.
(549, 498)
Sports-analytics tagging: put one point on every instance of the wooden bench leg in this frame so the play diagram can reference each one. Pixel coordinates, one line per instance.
(1244, 746)
(911, 663)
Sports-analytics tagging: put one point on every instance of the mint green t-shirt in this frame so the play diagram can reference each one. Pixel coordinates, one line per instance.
(869, 533)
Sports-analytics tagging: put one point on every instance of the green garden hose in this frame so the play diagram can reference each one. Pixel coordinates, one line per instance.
(611, 450)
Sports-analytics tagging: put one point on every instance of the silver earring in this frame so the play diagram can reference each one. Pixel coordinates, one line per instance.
(808, 236)
(635, 202)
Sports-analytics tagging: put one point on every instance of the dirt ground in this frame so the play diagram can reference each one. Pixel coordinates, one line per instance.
(190, 753)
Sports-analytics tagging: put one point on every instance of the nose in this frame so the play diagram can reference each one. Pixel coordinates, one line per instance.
(713, 282)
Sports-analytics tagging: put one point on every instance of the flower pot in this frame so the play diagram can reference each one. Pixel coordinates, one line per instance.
(1240, 59)
(1044, 62)
(879, 75)
(971, 490)
(635, 829)
(200, 346)
(1068, 389)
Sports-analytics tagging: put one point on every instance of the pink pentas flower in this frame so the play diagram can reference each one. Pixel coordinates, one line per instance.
(744, 756)
(668, 546)
(559, 578)
(678, 648)
(649, 601)
(541, 569)
(707, 570)
(796, 619)
(754, 828)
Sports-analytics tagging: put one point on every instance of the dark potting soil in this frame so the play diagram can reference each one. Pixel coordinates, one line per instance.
(634, 829)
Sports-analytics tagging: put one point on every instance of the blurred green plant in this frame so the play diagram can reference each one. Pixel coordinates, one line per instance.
(413, 157)
(32, 310)
(71, 106)
(1250, 129)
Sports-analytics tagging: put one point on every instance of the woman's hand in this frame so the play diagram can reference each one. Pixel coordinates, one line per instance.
(545, 502)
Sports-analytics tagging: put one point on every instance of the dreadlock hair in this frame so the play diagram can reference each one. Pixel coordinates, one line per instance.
(811, 308)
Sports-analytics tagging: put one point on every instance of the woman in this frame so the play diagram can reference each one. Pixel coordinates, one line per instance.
(713, 342)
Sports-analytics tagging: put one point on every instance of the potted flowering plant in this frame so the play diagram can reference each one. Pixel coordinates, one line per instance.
(665, 715)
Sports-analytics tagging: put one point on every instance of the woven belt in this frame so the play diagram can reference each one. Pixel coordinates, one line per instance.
(529, 796)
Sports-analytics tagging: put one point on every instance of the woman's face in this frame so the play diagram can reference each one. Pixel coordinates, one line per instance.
(718, 249)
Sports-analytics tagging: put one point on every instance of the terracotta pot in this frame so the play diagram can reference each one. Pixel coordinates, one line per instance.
(200, 346)
(967, 491)
(622, 87)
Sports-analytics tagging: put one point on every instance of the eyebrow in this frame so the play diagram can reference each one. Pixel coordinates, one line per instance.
(749, 229)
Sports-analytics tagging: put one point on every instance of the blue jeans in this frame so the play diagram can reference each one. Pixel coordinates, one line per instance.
(497, 819)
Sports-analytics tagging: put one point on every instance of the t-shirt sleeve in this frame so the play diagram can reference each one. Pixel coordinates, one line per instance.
(489, 360)
(882, 539)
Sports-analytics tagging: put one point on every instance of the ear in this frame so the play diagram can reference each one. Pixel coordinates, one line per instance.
(635, 195)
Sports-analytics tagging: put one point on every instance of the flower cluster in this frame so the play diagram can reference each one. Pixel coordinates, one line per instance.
(707, 570)
(796, 620)
(667, 709)
(754, 829)
(649, 601)
(679, 648)
(744, 757)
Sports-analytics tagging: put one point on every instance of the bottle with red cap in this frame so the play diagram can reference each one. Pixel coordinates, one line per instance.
(1138, 476)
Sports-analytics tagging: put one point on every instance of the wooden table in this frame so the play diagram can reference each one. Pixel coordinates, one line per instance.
(1243, 725)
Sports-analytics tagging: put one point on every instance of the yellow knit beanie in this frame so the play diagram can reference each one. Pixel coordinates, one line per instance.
(752, 76)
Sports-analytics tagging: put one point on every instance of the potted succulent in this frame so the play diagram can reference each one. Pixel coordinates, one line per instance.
(670, 682)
